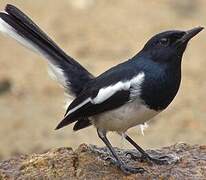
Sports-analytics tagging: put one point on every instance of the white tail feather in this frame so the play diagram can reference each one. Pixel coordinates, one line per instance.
(57, 73)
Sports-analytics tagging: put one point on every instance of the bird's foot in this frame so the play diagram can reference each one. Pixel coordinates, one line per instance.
(132, 170)
(163, 160)
(126, 169)
(111, 160)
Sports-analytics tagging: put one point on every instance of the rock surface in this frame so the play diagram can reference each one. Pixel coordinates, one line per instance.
(89, 162)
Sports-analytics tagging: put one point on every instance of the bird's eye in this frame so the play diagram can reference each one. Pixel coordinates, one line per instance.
(164, 41)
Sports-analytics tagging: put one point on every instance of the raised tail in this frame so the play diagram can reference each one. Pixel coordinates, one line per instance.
(69, 73)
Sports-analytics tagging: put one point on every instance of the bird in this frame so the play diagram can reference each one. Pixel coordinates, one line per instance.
(124, 96)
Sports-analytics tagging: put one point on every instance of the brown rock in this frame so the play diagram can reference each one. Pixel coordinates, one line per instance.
(88, 162)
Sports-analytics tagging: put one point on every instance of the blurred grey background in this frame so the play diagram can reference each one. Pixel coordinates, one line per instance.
(99, 34)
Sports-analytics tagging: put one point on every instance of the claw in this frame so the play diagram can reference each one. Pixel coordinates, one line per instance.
(163, 160)
(132, 170)
(126, 169)
(134, 157)
(111, 160)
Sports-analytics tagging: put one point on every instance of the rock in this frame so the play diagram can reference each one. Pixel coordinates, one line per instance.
(88, 162)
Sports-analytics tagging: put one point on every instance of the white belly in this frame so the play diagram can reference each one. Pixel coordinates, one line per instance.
(124, 117)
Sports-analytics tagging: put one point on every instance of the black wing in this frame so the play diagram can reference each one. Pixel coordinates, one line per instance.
(85, 105)
(90, 109)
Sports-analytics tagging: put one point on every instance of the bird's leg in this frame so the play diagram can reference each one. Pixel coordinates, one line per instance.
(145, 156)
(119, 162)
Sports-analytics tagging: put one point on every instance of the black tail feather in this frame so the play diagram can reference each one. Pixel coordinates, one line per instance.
(20, 27)
(81, 124)
(75, 74)
(66, 121)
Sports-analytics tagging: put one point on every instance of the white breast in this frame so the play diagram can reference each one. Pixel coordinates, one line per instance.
(127, 116)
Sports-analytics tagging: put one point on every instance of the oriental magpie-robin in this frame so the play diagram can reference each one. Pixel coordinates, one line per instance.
(124, 96)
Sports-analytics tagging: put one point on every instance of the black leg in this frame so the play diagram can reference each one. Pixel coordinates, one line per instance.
(145, 156)
(122, 166)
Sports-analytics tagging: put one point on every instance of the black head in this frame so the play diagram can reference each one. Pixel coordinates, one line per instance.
(169, 46)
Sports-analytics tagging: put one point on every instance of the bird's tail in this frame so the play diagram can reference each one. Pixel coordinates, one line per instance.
(68, 72)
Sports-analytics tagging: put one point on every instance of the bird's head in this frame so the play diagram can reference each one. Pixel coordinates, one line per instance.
(169, 46)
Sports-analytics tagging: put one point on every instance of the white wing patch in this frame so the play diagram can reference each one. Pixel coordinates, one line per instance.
(136, 85)
(107, 92)
(79, 106)
(55, 72)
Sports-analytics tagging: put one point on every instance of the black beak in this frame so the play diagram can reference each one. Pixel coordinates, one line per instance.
(190, 34)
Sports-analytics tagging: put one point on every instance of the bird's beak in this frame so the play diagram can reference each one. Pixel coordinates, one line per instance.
(190, 34)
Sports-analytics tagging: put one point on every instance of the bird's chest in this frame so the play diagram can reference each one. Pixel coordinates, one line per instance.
(158, 92)
(124, 117)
